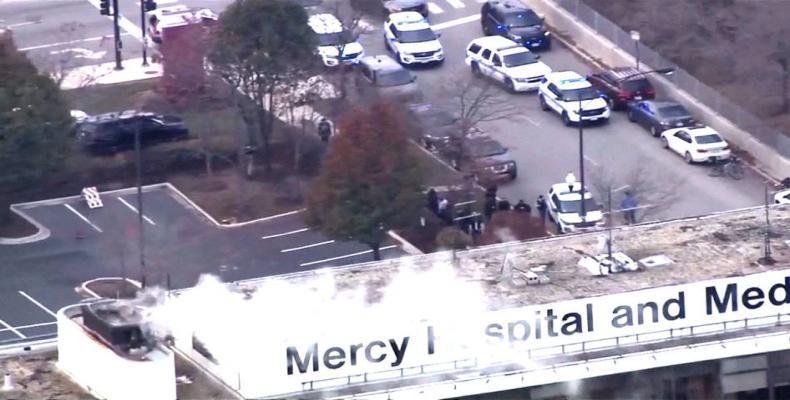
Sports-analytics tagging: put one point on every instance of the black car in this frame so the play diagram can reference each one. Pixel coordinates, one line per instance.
(393, 6)
(658, 116)
(622, 85)
(113, 132)
(434, 125)
(515, 21)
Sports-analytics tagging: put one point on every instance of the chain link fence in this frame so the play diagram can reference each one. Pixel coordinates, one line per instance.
(766, 134)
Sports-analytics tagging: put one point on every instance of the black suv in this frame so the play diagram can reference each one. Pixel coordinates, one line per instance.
(515, 21)
(113, 132)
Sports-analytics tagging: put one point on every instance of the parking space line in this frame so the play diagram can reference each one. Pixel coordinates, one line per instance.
(307, 247)
(82, 217)
(434, 8)
(591, 161)
(12, 329)
(456, 22)
(133, 208)
(456, 3)
(30, 326)
(345, 256)
(285, 233)
(41, 306)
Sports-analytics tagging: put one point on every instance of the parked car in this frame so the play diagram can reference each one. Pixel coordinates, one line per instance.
(782, 197)
(565, 206)
(696, 144)
(434, 125)
(113, 132)
(572, 97)
(394, 6)
(482, 156)
(411, 40)
(333, 39)
(657, 116)
(507, 62)
(381, 76)
(622, 85)
(515, 21)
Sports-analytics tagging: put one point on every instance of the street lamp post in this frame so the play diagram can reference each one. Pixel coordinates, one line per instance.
(117, 35)
(635, 37)
(142, 24)
(139, 167)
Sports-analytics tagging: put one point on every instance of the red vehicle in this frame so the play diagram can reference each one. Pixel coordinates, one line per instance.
(622, 85)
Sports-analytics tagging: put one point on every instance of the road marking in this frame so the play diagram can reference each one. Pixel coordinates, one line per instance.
(307, 247)
(591, 161)
(285, 233)
(41, 306)
(133, 208)
(123, 22)
(456, 3)
(455, 22)
(530, 120)
(18, 24)
(12, 329)
(32, 325)
(83, 217)
(434, 8)
(91, 39)
(345, 256)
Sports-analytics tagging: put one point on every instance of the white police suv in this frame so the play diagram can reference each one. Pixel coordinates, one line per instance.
(410, 38)
(569, 94)
(336, 45)
(565, 207)
(507, 62)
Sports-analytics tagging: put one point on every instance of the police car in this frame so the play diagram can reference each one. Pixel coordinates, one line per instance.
(336, 45)
(507, 62)
(565, 204)
(566, 92)
(410, 38)
(782, 197)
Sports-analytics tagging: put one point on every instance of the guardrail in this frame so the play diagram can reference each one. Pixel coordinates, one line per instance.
(766, 134)
(541, 353)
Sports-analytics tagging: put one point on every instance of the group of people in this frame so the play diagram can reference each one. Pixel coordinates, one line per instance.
(466, 219)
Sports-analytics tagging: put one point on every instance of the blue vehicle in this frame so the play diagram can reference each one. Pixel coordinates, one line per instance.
(658, 116)
(515, 21)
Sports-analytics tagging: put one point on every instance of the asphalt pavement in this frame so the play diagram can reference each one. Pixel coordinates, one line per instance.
(546, 150)
(180, 244)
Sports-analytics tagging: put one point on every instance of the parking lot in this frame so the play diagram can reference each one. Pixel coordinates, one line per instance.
(181, 242)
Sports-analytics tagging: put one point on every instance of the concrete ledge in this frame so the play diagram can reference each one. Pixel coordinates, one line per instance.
(603, 52)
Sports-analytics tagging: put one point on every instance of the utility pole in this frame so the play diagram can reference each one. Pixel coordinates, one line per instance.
(142, 24)
(117, 30)
(139, 166)
(767, 258)
(581, 157)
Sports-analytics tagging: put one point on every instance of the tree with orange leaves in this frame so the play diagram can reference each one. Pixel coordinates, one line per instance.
(370, 182)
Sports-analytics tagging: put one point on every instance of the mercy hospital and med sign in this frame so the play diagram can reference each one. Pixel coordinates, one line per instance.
(505, 335)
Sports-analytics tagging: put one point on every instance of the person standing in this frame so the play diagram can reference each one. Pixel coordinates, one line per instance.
(542, 208)
(433, 201)
(629, 205)
(324, 130)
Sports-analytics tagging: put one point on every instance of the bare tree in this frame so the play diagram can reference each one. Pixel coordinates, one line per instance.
(781, 55)
(351, 20)
(474, 102)
(655, 191)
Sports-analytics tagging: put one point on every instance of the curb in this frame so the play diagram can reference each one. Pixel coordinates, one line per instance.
(218, 224)
(43, 232)
(409, 248)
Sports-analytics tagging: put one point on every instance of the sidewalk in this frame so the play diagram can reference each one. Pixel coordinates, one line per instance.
(106, 74)
(133, 70)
